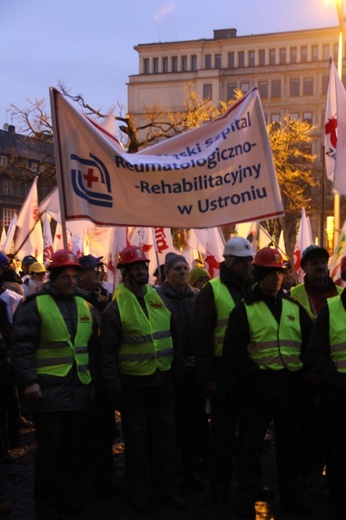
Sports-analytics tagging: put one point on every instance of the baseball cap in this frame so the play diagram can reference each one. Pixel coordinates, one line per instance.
(89, 261)
(29, 259)
(313, 251)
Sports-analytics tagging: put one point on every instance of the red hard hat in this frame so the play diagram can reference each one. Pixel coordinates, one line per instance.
(131, 255)
(268, 257)
(63, 258)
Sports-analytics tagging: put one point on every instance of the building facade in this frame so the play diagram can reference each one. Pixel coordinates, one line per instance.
(22, 158)
(290, 70)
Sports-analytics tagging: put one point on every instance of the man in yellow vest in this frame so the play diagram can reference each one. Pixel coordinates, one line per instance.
(212, 307)
(313, 293)
(53, 350)
(265, 337)
(326, 354)
(136, 363)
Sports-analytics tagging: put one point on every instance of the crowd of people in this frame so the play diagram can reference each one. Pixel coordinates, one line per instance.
(198, 368)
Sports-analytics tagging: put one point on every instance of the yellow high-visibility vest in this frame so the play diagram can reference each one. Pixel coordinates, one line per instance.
(224, 303)
(56, 354)
(146, 342)
(337, 333)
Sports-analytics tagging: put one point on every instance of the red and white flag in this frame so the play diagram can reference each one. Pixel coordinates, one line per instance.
(335, 259)
(29, 239)
(335, 131)
(304, 240)
(214, 251)
(47, 240)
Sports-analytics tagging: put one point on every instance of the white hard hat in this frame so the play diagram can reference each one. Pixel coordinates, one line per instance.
(238, 246)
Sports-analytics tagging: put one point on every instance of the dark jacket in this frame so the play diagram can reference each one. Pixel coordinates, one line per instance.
(59, 393)
(111, 340)
(209, 367)
(318, 352)
(181, 304)
(237, 336)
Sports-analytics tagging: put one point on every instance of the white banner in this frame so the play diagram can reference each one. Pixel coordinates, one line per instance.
(219, 173)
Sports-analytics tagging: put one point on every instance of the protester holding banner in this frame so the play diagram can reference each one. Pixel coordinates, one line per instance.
(192, 422)
(266, 335)
(136, 363)
(53, 350)
(212, 307)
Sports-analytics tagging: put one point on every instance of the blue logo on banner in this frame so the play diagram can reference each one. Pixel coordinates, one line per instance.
(90, 181)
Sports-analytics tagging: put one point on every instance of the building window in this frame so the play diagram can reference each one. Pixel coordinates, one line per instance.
(308, 87)
(304, 54)
(241, 59)
(307, 116)
(274, 118)
(276, 88)
(326, 52)
(3, 160)
(165, 64)
(245, 87)
(7, 216)
(194, 62)
(294, 87)
(208, 61)
(231, 88)
(146, 65)
(184, 63)
(294, 115)
(272, 53)
(263, 89)
(8, 187)
(262, 57)
(231, 60)
(208, 91)
(251, 58)
(282, 56)
(156, 65)
(325, 81)
(218, 61)
(336, 52)
(293, 55)
(174, 64)
(314, 52)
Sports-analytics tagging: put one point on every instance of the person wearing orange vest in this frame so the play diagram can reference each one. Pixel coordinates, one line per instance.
(326, 354)
(264, 341)
(136, 361)
(53, 350)
(212, 307)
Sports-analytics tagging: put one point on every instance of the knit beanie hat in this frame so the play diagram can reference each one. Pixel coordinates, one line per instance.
(196, 273)
(171, 259)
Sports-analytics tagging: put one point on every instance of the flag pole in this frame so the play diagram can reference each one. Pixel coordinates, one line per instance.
(58, 164)
(322, 196)
(340, 11)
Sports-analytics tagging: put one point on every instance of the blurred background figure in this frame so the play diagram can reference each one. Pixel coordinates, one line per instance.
(288, 278)
(34, 283)
(198, 277)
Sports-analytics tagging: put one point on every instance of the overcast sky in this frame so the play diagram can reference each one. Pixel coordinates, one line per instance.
(88, 44)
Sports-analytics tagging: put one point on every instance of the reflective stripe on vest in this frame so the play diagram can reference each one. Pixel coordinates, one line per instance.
(146, 342)
(224, 303)
(300, 294)
(337, 335)
(274, 345)
(56, 354)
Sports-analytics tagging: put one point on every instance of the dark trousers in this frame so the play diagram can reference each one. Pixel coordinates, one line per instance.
(273, 396)
(335, 409)
(58, 461)
(192, 423)
(148, 422)
(225, 407)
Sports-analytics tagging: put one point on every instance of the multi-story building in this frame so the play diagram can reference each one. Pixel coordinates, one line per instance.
(290, 70)
(21, 159)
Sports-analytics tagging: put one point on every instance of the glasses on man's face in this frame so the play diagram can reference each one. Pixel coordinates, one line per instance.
(99, 269)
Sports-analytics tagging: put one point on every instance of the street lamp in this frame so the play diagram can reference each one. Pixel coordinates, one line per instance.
(339, 4)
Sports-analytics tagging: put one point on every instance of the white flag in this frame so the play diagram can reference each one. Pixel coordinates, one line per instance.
(47, 240)
(304, 240)
(335, 131)
(219, 173)
(335, 260)
(9, 245)
(214, 251)
(29, 239)
(3, 238)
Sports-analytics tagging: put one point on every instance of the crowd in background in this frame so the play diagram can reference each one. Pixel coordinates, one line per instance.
(198, 368)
